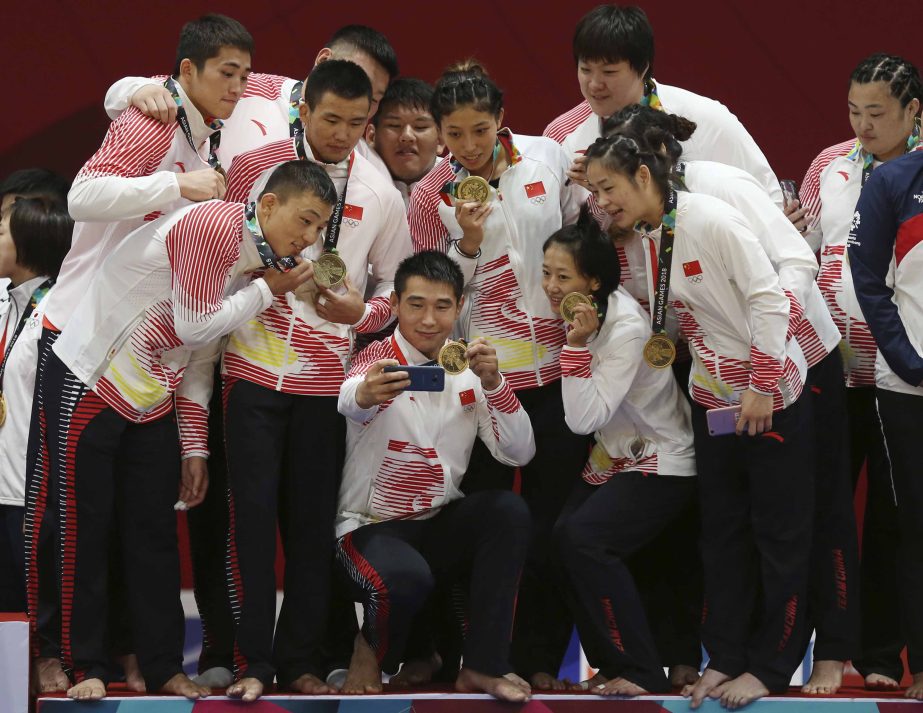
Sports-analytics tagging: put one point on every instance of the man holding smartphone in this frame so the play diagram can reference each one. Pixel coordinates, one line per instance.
(403, 525)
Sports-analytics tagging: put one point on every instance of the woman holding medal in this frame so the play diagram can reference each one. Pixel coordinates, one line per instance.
(756, 486)
(457, 209)
(885, 96)
(637, 479)
(833, 599)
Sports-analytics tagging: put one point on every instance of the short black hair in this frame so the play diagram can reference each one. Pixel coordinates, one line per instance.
(431, 265)
(41, 229)
(368, 41)
(341, 78)
(202, 39)
(36, 182)
(594, 255)
(294, 177)
(406, 92)
(616, 33)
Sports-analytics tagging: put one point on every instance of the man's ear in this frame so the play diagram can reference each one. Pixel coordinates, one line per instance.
(268, 203)
(458, 308)
(394, 301)
(185, 68)
(370, 134)
(322, 56)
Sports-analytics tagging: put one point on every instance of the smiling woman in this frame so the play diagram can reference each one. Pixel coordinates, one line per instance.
(498, 243)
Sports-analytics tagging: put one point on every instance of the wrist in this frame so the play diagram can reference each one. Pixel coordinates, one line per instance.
(470, 243)
(491, 382)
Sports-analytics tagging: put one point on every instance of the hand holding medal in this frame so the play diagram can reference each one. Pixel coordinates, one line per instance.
(482, 360)
(580, 312)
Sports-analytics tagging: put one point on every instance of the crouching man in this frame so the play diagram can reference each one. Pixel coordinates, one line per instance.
(403, 525)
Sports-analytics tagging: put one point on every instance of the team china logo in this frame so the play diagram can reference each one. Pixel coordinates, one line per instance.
(467, 399)
(535, 192)
(352, 215)
(693, 271)
(261, 126)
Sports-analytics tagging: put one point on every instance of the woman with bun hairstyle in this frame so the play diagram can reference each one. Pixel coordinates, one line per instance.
(833, 590)
(495, 234)
(884, 96)
(755, 482)
(638, 478)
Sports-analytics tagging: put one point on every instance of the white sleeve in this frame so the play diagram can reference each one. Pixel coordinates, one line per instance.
(573, 195)
(504, 426)
(192, 398)
(390, 246)
(114, 198)
(118, 98)
(346, 404)
(467, 263)
(719, 136)
(236, 310)
(749, 268)
(787, 250)
(593, 396)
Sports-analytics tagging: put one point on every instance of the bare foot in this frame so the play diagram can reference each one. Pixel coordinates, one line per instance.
(826, 678)
(546, 682)
(916, 688)
(880, 682)
(709, 681)
(181, 685)
(246, 689)
(742, 691)
(93, 689)
(50, 675)
(133, 678)
(311, 685)
(590, 683)
(417, 672)
(683, 675)
(500, 687)
(620, 687)
(364, 675)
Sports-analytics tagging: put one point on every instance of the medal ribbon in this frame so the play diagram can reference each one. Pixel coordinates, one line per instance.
(332, 236)
(650, 97)
(267, 255)
(868, 160)
(214, 141)
(664, 265)
(504, 140)
(295, 127)
(401, 359)
(36, 297)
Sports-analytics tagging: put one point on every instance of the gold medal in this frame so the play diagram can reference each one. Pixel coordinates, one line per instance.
(570, 302)
(473, 188)
(659, 351)
(453, 357)
(329, 270)
(2, 409)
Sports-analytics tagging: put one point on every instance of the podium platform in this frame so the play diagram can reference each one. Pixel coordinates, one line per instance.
(850, 701)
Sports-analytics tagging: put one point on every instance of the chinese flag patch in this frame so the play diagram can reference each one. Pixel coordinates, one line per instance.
(466, 397)
(534, 190)
(352, 212)
(691, 269)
